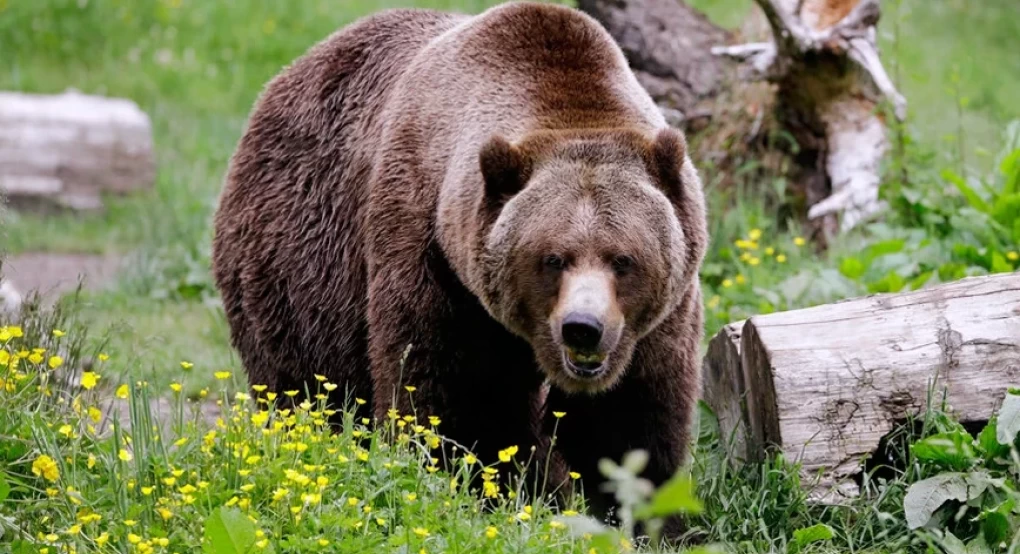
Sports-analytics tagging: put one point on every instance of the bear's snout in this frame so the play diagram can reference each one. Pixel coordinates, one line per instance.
(582, 331)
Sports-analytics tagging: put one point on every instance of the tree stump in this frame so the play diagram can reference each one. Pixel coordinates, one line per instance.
(824, 385)
(823, 64)
(64, 151)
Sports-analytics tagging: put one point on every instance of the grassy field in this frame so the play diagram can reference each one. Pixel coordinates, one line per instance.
(196, 67)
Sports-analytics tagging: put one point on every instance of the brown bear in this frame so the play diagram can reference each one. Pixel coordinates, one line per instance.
(476, 206)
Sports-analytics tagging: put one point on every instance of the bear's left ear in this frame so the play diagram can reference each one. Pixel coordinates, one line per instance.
(666, 155)
(504, 169)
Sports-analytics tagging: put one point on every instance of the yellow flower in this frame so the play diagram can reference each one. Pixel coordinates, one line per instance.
(741, 279)
(360, 401)
(324, 542)
(433, 421)
(380, 522)
(66, 430)
(176, 387)
(575, 475)
(491, 532)
(125, 455)
(222, 375)
(46, 467)
(290, 393)
(470, 459)
(506, 454)
(320, 378)
(754, 234)
(91, 462)
(122, 391)
(89, 379)
(1013, 256)
(103, 357)
(187, 365)
(421, 532)
(558, 415)
(781, 258)
(102, 539)
(259, 388)
(55, 362)
(490, 489)
(753, 261)
(411, 388)
(411, 497)
(130, 522)
(569, 513)
(329, 386)
(58, 333)
(799, 241)
(727, 283)
(556, 524)
(770, 251)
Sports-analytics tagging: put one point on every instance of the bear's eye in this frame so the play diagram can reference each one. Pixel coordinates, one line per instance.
(623, 264)
(552, 261)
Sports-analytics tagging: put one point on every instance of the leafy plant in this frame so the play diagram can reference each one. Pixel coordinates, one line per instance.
(972, 504)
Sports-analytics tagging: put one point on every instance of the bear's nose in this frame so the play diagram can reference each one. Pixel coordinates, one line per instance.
(582, 331)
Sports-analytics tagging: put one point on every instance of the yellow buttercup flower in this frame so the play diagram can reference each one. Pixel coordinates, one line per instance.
(506, 454)
(222, 375)
(55, 362)
(89, 380)
(799, 241)
(558, 415)
(122, 392)
(491, 532)
(58, 333)
(46, 467)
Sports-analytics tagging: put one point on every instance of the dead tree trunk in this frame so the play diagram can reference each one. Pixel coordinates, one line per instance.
(823, 63)
(825, 384)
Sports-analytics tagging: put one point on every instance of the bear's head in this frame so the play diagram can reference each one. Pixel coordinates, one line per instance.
(589, 239)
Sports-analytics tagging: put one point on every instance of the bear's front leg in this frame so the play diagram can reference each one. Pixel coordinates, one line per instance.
(650, 409)
(463, 367)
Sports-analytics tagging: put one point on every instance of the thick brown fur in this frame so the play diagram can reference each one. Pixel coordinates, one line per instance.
(396, 191)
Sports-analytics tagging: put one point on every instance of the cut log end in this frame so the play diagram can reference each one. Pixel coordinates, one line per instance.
(824, 385)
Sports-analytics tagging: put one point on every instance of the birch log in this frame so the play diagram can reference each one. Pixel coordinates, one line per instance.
(66, 150)
(823, 385)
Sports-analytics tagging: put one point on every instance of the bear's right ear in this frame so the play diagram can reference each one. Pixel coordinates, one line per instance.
(504, 169)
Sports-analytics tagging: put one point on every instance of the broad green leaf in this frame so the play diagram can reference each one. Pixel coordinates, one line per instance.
(229, 531)
(882, 248)
(1007, 208)
(999, 264)
(852, 268)
(953, 450)
(5, 487)
(988, 443)
(925, 497)
(1008, 420)
(995, 522)
(807, 535)
(972, 197)
(674, 496)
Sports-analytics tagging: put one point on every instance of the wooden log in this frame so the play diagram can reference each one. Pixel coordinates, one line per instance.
(824, 384)
(723, 388)
(66, 150)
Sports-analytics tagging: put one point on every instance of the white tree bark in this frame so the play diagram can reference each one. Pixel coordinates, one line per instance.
(66, 150)
(825, 384)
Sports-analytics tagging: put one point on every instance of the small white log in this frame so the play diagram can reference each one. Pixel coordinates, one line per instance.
(68, 149)
(825, 384)
(723, 388)
(10, 298)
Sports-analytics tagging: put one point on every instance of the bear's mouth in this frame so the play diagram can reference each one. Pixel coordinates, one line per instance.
(584, 364)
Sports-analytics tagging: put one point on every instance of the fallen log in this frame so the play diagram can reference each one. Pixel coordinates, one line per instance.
(66, 150)
(824, 385)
